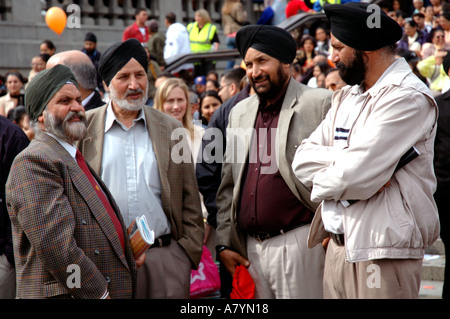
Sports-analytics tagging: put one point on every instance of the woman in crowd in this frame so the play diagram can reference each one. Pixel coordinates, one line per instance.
(212, 85)
(172, 98)
(14, 97)
(233, 18)
(19, 116)
(319, 68)
(322, 37)
(306, 53)
(47, 47)
(412, 38)
(209, 103)
(437, 37)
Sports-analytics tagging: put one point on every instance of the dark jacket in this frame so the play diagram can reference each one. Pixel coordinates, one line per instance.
(442, 141)
(12, 141)
(208, 174)
(94, 102)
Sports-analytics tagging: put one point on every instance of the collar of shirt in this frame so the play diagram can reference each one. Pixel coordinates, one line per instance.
(72, 150)
(393, 75)
(86, 100)
(111, 118)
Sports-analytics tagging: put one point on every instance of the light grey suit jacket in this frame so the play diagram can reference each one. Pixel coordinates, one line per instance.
(179, 190)
(302, 111)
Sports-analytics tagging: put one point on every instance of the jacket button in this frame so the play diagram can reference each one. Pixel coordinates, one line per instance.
(108, 280)
(84, 222)
(97, 252)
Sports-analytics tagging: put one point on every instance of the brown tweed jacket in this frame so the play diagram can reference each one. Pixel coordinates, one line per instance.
(179, 193)
(59, 227)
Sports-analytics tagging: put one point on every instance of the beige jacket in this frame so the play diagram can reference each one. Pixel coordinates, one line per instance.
(402, 220)
(302, 111)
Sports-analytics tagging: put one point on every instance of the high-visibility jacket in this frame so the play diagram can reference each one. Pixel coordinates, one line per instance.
(201, 40)
(322, 2)
(318, 4)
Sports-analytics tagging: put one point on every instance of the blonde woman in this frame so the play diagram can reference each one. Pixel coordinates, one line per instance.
(172, 98)
(233, 18)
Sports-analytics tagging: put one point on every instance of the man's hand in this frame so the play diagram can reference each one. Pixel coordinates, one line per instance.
(231, 259)
(140, 261)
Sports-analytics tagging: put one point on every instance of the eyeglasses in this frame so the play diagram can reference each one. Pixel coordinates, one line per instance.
(221, 87)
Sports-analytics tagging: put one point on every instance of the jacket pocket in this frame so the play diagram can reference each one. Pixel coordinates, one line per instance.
(54, 289)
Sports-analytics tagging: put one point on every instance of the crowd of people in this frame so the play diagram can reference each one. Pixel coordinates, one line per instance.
(92, 141)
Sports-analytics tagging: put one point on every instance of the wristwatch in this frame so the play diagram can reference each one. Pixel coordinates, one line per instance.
(220, 248)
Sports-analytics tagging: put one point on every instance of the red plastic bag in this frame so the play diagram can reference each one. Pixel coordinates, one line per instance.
(205, 280)
(243, 285)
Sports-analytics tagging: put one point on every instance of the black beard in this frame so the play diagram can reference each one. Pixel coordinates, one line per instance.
(275, 87)
(355, 72)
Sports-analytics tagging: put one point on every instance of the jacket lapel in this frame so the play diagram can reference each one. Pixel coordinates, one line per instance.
(92, 146)
(246, 123)
(284, 124)
(84, 187)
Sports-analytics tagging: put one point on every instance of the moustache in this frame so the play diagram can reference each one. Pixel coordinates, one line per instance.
(74, 115)
(261, 77)
(340, 66)
(130, 92)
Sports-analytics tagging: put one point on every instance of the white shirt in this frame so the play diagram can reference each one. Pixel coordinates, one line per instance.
(86, 100)
(130, 170)
(177, 43)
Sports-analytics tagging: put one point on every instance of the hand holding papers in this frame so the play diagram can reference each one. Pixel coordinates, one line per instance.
(141, 236)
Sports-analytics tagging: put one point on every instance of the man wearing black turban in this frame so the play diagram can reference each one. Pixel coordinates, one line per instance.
(130, 145)
(380, 218)
(268, 206)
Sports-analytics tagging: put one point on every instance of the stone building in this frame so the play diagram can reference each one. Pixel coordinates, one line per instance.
(23, 27)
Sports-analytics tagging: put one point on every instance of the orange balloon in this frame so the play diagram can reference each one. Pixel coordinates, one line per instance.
(56, 19)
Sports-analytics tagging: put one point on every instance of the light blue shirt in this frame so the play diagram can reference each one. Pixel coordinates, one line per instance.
(130, 170)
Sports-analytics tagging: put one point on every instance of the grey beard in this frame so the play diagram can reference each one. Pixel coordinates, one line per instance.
(124, 104)
(63, 129)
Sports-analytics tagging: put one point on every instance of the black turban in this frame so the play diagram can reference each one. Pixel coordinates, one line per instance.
(44, 86)
(362, 28)
(90, 37)
(271, 40)
(118, 55)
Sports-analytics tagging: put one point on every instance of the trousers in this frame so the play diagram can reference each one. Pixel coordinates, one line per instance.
(7, 279)
(165, 274)
(372, 279)
(283, 267)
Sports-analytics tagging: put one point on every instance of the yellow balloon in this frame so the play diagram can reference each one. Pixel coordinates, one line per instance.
(56, 19)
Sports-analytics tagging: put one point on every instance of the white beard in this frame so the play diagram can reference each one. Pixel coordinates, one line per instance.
(124, 104)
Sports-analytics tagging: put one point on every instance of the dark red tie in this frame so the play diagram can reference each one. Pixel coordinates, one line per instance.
(112, 214)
